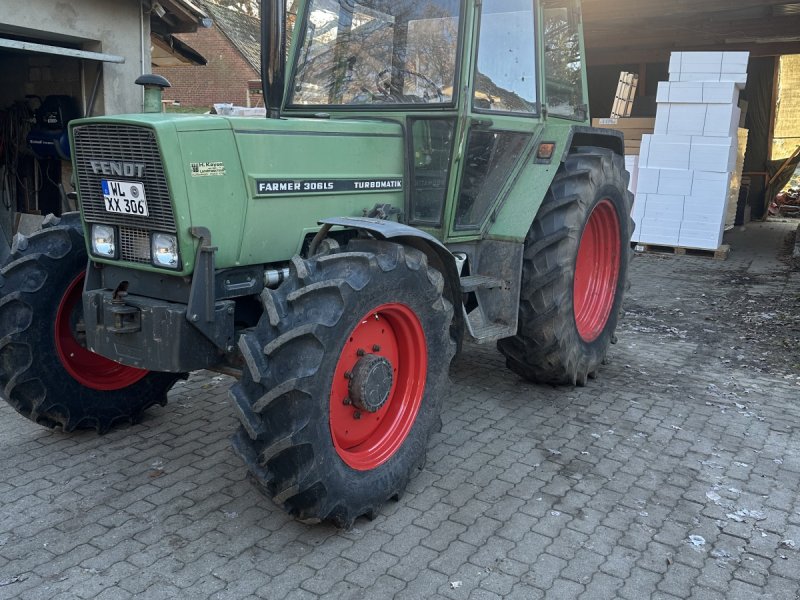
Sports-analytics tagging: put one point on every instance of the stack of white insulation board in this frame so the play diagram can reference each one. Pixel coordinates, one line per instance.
(686, 167)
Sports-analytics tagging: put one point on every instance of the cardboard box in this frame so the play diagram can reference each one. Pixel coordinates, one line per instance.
(632, 128)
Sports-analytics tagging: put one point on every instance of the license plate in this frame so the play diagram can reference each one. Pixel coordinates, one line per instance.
(124, 197)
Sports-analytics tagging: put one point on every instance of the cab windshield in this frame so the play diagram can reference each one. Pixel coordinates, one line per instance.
(377, 52)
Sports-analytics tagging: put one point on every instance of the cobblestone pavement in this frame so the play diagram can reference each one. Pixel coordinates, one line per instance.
(674, 475)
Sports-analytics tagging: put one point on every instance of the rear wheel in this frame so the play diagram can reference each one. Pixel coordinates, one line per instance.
(46, 372)
(344, 380)
(574, 271)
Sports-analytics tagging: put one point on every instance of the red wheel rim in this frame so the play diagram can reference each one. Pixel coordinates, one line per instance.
(86, 367)
(365, 440)
(597, 271)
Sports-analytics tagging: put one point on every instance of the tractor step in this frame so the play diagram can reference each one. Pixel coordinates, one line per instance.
(484, 331)
(490, 332)
(472, 283)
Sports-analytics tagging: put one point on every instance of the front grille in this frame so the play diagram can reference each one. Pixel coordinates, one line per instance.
(134, 245)
(128, 144)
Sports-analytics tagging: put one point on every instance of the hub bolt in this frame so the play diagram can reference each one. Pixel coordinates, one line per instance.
(376, 348)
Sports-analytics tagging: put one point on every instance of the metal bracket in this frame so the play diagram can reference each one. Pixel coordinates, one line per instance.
(203, 310)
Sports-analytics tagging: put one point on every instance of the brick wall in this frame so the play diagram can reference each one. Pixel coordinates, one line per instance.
(223, 79)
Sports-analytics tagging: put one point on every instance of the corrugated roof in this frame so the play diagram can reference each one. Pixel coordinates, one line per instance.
(242, 30)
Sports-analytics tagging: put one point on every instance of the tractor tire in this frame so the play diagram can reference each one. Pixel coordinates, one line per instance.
(46, 373)
(344, 381)
(575, 271)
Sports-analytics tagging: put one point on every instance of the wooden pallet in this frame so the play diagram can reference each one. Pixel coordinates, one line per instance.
(720, 253)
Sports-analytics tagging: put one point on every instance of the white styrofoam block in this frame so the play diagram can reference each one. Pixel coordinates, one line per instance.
(639, 206)
(693, 58)
(735, 62)
(702, 210)
(664, 208)
(659, 232)
(740, 79)
(632, 166)
(675, 182)
(703, 236)
(666, 154)
(644, 150)
(675, 60)
(662, 119)
(637, 214)
(722, 120)
(695, 77)
(648, 180)
(709, 187)
(687, 119)
(662, 94)
(701, 62)
(724, 92)
(685, 92)
(714, 154)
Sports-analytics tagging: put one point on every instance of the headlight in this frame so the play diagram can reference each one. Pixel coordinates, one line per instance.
(104, 238)
(164, 250)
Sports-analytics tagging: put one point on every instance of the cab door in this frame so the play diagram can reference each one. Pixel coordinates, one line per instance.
(503, 117)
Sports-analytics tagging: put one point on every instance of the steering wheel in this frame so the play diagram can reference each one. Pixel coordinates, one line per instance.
(385, 88)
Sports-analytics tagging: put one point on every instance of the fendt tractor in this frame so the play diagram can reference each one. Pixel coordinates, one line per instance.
(425, 176)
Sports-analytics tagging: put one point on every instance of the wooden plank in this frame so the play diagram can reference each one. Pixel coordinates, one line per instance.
(625, 95)
(721, 253)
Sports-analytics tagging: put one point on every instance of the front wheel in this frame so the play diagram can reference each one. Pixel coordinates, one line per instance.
(46, 372)
(344, 380)
(575, 271)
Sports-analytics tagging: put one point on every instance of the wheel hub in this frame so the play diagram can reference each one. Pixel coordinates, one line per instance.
(371, 382)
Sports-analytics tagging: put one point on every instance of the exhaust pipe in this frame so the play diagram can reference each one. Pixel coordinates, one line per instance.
(153, 91)
(273, 55)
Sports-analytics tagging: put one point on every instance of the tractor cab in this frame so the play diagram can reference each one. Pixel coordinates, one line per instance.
(470, 83)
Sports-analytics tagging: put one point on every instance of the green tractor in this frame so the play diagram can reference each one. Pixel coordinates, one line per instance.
(425, 175)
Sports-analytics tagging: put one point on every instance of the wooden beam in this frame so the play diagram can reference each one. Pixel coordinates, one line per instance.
(626, 55)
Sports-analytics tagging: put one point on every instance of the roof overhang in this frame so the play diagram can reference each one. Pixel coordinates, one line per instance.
(172, 52)
(179, 16)
(634, 31)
